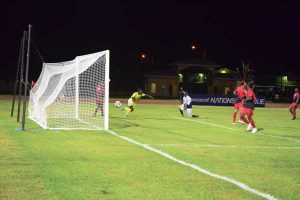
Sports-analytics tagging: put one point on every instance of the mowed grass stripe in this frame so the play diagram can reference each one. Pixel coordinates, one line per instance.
(274, 121)
(147, 129)
(19, 177)
(199, 169)
(93, 165)
(272, 170)
(239, 130)
(96, 165)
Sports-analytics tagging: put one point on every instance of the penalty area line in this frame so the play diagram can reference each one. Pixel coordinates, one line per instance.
(279, 137)
(195, 167)
(225, 146)
(234, 129)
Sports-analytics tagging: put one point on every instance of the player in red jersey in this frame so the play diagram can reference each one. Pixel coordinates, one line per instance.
(293, 106)
(99, 98)
(248, 108)
(240, 91)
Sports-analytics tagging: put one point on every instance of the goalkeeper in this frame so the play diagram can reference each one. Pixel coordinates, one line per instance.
(133, 100)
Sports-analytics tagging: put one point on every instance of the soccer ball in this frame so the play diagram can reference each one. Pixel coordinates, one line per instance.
(118, 103)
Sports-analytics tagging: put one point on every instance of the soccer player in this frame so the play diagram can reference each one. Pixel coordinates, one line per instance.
(187, 104)
(294, 104)
(180, 96)
(240, 91)
(99, 98)
(133, 100)
(248, 108)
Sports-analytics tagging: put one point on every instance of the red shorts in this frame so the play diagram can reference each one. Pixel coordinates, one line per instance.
(247, 111)
(238, 105)
(293, 106)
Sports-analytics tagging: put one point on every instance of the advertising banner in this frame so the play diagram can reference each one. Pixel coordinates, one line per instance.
(220, 100)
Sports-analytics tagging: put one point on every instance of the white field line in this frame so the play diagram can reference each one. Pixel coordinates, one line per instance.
(279, 137)
(234, 129)
(223, 146)
(195, 167)
(216, 125)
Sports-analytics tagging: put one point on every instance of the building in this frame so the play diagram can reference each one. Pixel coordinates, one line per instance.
(194, 75)
(162, 83)
(278, 86)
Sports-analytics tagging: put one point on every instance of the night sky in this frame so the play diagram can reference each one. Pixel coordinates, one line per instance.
(266, 33)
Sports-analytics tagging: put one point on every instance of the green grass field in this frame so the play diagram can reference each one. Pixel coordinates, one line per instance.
(45, 164)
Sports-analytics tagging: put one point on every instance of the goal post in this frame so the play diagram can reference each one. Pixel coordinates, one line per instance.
(72, 94)
(106, 98)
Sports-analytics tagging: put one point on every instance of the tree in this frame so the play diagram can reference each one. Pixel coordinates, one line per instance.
(247, 72)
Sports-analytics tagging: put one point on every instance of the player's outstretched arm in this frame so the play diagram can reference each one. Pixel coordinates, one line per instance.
(149, 96)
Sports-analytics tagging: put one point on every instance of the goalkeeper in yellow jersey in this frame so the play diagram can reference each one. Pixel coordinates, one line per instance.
(133, 100)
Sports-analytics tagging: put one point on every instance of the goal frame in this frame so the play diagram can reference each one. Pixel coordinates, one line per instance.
(76, 103)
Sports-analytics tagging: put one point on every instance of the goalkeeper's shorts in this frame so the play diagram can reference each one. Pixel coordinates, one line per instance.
(131, 102)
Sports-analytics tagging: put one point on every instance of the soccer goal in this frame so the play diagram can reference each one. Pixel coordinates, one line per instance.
(72, 94)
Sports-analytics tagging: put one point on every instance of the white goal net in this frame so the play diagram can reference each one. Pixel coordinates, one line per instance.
(72, 94)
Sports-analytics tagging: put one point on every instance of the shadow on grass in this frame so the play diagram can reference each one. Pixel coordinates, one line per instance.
(35, 130)
(105, 191)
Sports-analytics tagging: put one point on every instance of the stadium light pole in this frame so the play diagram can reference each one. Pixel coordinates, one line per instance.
(145, 56)
(193, 47)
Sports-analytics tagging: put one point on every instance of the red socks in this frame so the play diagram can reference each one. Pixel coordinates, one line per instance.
(245, 120)
(294, 114)
(252, 123)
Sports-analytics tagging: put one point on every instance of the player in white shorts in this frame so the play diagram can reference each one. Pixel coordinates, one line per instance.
(187, 104)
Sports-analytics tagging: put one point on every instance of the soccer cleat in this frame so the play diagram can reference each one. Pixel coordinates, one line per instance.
(241, 121)
(234, 123)
(122, 108)
(249, 128)
(254, 130)
(293, 118)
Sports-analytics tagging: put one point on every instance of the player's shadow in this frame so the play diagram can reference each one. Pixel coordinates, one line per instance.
(201, 117)
(120, 123)
(260, 129)
(31, 130)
